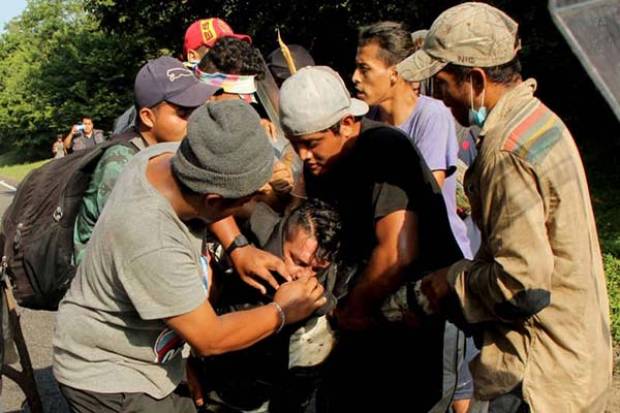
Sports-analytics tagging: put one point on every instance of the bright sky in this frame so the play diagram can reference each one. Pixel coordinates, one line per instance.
(10, 9)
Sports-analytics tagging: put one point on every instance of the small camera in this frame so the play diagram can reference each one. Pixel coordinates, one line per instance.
(79, 127)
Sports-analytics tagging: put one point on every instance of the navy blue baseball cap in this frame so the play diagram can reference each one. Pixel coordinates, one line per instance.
(166, 79)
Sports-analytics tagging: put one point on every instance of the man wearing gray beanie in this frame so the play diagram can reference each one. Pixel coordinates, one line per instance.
(225, 152)
(140, 292)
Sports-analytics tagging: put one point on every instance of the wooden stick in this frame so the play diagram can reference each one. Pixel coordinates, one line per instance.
(287, 54)
(24, 378)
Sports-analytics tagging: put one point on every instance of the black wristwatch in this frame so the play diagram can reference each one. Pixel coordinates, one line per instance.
(239, 242)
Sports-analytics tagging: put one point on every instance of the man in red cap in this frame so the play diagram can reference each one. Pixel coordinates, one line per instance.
(201, 35)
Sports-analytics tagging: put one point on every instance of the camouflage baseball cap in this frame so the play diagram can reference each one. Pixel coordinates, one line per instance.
(470, 34)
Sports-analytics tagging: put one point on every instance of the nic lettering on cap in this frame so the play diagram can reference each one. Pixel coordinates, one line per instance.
(466, 59)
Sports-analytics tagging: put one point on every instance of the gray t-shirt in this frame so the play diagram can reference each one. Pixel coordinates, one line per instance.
(81, 141)
(142, 265)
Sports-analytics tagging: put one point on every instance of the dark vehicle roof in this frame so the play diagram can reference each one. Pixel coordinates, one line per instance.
(592, 29)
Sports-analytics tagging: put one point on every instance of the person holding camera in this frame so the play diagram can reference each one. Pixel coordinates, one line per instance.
(83, 136)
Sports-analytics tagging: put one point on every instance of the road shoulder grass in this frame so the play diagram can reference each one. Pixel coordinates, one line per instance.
(15, 173)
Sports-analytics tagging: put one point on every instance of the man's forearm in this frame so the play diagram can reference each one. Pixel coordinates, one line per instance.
(225, 230)
(381, 277)
(397, 247)
(68, 140)
(228, 332)
(501, 291)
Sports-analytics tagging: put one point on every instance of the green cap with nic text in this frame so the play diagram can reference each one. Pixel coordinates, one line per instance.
(470, 34)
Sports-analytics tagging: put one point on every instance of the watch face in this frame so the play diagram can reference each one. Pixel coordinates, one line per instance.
(239, 241)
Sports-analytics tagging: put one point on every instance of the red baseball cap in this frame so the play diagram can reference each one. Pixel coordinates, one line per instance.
(205, 32)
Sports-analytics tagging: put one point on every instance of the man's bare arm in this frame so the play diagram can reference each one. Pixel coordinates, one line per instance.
(68, 140)
(210, 334)
(397, 247)
(440, 176)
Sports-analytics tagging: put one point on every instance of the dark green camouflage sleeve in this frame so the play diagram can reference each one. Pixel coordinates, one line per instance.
(101, 184)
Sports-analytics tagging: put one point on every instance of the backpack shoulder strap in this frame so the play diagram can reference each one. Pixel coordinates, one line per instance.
(138, 142)
(132, 139)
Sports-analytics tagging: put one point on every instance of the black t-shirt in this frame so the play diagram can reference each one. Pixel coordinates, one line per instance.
(383, 173)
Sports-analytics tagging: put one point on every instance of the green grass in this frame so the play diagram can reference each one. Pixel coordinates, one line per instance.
(612, 270)
(605, 188)
(608, 219)
(15, 165)
(16, 173)
(11, 158)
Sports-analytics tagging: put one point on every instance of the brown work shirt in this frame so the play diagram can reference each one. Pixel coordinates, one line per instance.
(536, 289)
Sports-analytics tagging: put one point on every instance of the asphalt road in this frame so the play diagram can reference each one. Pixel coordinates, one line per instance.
(37, 327)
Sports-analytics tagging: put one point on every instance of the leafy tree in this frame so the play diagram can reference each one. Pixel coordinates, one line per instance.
(56, 65)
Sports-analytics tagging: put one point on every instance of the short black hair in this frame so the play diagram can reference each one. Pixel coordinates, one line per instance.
(322, 221)
(505, 74)
(335, 128)
(393, 39)
(233, 56)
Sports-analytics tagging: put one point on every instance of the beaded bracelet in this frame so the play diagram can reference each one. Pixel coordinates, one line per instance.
(281, 315)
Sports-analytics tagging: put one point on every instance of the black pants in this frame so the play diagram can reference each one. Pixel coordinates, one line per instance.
(386, 370)
(83, 401)
(509, 403)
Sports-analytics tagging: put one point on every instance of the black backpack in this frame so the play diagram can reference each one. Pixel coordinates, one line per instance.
(36, 238)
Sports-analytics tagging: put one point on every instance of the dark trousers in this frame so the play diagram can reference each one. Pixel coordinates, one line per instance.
(386, 370)
(83, 401)
(509, 403)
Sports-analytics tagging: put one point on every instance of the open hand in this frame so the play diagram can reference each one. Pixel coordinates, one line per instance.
(255, 266)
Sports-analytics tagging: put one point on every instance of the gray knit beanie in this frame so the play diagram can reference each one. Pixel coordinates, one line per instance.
(226, 151)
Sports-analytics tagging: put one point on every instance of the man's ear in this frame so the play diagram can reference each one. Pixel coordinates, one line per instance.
(478, 80)
(212, 201)
(193, 56)
(393, 75)
(147, 117)
(346, 126)
(416, 86)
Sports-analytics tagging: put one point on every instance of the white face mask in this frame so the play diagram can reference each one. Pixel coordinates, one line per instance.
(476, 117)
